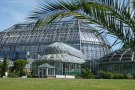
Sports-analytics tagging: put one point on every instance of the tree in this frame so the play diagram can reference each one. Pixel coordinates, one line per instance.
(4, 66)
(85, 73)
(19, 66)
(116, 17)
(1, 64)
(133, 3)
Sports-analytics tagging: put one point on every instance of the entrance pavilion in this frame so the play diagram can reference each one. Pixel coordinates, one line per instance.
(46, 70)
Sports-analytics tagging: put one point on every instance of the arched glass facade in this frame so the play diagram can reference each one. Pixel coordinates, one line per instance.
(119, 61)
(61, 68)
(79, 34)
(62, 57)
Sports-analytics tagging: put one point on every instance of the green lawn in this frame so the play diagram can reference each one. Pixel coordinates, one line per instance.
(66, 84)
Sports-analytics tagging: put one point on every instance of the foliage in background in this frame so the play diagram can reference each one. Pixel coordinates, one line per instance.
(101, 74)
(109, 75)
(19, 66)
(86, 73)
(12, 75)
(130, 76)
(1, 64)
(29, 75)
(105, 75)
(116, 17)
(119, 76)
(133, 4)
(4, 66)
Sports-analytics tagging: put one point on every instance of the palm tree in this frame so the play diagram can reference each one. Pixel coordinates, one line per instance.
(115, 17)
(133, 3)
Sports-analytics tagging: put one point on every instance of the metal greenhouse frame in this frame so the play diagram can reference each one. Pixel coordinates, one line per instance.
(79, 34)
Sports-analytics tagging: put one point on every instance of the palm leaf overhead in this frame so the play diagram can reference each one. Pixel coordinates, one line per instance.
(133, 4)
(118, 18)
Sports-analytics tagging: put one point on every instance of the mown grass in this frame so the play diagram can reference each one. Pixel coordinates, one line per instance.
(66, 84)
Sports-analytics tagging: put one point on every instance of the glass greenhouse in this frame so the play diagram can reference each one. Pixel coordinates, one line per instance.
(119, 61)
(60, 56)
(79, 34)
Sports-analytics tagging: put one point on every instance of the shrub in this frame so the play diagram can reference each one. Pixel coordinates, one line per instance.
(101, 74)
(90, 76)
(118, 76)
(85, 73)
(29, 76)
(129, 76)
(105, 75)
(23, 73)
(108, 75)
(12, 75)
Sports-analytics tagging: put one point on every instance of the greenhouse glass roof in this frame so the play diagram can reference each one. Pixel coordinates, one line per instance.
(61, 52)
(118, 56)
(46, 65)
(61, 58)
(59, 47)
(77, 33)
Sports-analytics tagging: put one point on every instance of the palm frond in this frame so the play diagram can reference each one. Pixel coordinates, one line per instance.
(118, 18)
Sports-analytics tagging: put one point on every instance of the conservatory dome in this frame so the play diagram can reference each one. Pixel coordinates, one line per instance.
(61, 52)
(120, 55)
(77, 33)
(62, 58)
(59, 47)
(120, 61)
